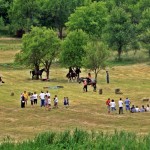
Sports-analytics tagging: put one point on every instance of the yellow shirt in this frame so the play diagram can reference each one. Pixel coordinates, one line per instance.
(25, 95)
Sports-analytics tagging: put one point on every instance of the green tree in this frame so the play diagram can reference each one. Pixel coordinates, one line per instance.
(41, 45)
(90, 18)
(72, 49)
(50, 49)
(55, 13)
(1, 22)
(145, 27)
(23, 14)
(96, 55)
(4, 7)
(119, 30)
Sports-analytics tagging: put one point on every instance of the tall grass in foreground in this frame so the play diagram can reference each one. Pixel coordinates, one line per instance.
(82, 140)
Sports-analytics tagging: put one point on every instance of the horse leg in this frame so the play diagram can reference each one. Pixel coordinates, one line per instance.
(94, 87)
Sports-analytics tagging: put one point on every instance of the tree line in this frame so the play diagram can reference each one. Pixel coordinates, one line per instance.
(78, 33)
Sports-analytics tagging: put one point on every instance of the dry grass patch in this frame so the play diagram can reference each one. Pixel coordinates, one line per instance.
(87, 110)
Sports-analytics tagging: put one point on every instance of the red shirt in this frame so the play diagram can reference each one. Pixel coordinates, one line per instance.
(85, 82)
(108, 102)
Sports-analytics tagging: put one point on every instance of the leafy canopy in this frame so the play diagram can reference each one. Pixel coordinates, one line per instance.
(72, 49)
(91, 19)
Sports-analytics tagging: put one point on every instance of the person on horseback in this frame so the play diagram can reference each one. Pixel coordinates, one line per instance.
(70, 70)
(71, 75)
(78, 71)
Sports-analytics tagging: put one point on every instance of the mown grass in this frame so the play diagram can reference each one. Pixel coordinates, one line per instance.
(80, 139)
(87, 111)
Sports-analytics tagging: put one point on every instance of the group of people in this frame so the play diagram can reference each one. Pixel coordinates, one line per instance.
(111, 106)
(45, 99)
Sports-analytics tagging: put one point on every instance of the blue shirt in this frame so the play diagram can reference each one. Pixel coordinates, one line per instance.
(127, 102)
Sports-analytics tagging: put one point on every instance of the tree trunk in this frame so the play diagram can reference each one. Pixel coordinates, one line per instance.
(47, 67)
(47, 73)
(60, 33)
(95, 74)
(36, 71)
(119, 52)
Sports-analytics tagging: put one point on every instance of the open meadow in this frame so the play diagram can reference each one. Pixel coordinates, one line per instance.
(87, 111)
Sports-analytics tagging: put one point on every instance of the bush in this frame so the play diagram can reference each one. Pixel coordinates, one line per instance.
(79, 139)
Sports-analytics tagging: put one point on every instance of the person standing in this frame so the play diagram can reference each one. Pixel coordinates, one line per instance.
(113, 105)
(25, 94)
(107, 77)
(35, 96)
(56, 101)
(22, 99)
(32, 99)
(127, 103)
(108, 104)
(42, 97)
(48, 94)
(49, 103)
(120, 103)
(85, 85)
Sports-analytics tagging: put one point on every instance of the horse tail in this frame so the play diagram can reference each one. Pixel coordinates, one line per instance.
(30, 72)
(67, 75)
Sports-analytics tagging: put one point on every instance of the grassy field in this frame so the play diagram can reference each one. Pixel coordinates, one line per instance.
(87, 110)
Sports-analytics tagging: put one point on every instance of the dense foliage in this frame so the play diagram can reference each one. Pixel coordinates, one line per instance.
(123, 26)
(41, 45)
(82, 140)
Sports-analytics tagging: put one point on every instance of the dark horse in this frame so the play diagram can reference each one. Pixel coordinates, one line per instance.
(78, 71)
(89, 82)
(71, 76)
(37, 73)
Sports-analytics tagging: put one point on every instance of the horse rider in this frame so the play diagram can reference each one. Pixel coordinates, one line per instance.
(70, 70)
(78, 71)
(89, 75)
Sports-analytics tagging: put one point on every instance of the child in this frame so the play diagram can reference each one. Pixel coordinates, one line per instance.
(35, 97)
(56, 101)
(49, 103)
(32, 99)
(22, 101)
(67, 101)
(108, 104)
(46, 101)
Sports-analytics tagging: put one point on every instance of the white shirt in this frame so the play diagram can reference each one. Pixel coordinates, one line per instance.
(137, 109)
(48, 94)
(147, 109)
(120, 103)
(112, 104)
(35, 96)
(49, 101)
(42, 95)
(56, 99)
